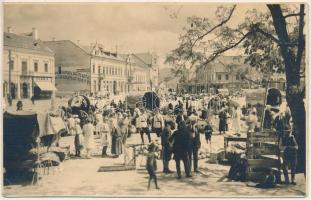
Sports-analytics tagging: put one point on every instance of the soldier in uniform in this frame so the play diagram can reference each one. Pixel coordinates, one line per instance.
(158, 122)
(144, 127)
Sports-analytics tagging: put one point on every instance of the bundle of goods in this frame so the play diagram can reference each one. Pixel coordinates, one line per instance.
(20, 133)
(234, 152)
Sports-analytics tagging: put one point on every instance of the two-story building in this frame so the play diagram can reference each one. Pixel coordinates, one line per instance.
(152, 61)
(31, 72)
(90, 69)
(223, 73)
(139, 74)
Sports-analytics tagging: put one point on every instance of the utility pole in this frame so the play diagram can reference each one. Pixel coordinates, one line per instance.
(10, 67)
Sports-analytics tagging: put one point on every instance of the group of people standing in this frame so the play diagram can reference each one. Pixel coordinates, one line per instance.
(111, 127)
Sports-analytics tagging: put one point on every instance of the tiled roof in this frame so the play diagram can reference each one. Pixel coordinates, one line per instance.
(145, 57)
(221, 62)
(102, 53)
(24, 42)
(137, 60)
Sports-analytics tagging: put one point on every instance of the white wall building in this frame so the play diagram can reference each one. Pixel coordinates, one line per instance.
(32, 66)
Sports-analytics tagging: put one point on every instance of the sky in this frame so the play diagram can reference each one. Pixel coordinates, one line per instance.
(131, 28)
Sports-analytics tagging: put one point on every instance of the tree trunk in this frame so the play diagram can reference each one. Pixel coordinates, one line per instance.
(294, 95)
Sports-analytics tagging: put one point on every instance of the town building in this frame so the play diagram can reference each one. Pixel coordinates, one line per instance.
(225, 72)
(138, 77)
(87, 69)
(93, 70)
(152, 61)
(31, 72)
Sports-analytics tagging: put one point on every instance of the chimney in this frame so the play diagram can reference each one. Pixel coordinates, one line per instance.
(35, 34)
(53, 39)
(10, 30)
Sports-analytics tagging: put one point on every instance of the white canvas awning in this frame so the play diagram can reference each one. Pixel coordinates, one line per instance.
(45, 85)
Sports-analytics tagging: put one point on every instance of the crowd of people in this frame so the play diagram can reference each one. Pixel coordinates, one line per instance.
(178, 124)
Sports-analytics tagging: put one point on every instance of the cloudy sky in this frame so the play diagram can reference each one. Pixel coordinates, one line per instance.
(132, 27)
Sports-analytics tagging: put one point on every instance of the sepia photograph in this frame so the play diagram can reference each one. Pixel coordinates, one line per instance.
(155, 99)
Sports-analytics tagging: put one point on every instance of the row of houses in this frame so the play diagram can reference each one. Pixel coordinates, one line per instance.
(227, 72)
(38, 68)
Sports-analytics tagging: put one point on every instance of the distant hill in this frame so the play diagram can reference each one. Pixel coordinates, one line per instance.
(166, 74)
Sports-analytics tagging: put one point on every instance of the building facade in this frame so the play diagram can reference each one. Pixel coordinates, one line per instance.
(223, 73)
(31, 72)
(92, 69)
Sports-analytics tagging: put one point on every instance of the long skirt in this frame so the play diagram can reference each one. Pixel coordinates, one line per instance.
(116, 145)
(222, 124)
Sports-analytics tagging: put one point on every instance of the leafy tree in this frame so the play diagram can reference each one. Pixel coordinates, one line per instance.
(273, 41)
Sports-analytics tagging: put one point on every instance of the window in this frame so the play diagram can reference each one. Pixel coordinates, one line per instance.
(237, 77)
(59, 69)
(94, 85)
(93, 69)
(24, 67)
(12, 65)
(104, 70)
(227, 77)
(35, 66)
(98, 69)
(46, 67)
(219, 77)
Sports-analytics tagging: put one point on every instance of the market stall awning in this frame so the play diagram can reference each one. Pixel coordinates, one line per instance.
(45, 85)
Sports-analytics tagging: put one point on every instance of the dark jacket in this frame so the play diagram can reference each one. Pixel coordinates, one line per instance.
(181, 146)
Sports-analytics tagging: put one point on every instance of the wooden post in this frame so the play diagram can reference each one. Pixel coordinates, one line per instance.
(10, 74)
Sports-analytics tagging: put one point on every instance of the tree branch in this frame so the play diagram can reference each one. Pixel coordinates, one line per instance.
(215, 27)
(269, 35)
(220, 51)
(301, 40)
(292, 15)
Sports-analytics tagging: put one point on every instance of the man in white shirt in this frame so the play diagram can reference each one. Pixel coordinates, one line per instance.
(143, 125)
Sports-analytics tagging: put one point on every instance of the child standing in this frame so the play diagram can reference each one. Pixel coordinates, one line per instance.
(151, 164)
